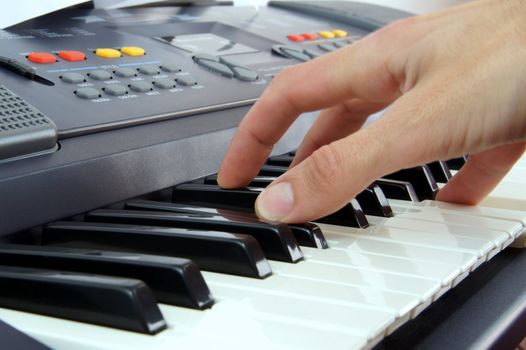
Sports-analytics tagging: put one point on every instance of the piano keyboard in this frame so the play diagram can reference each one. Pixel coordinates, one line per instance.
(347, 288)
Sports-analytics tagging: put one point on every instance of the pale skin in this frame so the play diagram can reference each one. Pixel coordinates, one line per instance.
(454, 83)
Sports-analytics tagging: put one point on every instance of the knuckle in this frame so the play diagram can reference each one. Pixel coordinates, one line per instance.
(324, 168)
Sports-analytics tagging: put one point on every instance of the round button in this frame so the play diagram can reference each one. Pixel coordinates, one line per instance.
(186, 80)
(141, 86)
(164, 83)
(115, 90)
(107, 53)
(326, 47)
(99, 74)
(148, 70)
(133, 51)
(88, 93)
(170, 68)
(72, 56)
(41, 57)
(72, 78)
(125, 72)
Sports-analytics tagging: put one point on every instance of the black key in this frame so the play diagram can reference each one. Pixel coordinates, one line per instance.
(373, 202)
(174, 281)
(396, 189)
(244, 199)
(276, 240)
(272, 170)
(308, 234)
(350, 215)
(282, 160)
(211, 195)
(212, 250)
(440, 171)
(108, 301)
(14, 339)
(457, 163)
(258, 181)
(421, 178)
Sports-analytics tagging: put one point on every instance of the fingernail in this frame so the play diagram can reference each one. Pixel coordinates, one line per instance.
(275, 202)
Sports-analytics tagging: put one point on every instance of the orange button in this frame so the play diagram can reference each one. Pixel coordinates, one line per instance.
(72, 55)
(41, 57)
(309, 36)
(294, 37)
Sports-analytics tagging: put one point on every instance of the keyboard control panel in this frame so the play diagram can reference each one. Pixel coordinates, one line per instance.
(110, 69)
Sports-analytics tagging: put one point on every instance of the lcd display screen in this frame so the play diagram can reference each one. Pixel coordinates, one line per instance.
(206, 43)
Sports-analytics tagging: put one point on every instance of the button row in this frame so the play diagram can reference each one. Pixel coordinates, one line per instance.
(99, 74)
(295, 52)
(133, 51)
(73, 56)
(225, 67)
(326, 34)
(328, 47)
(306, 54)
(90, 93)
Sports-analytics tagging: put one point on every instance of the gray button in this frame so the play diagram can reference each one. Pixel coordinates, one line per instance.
(326, 47)
(339, 44)
(99, 74)
(216, 67)
(295, 54)
(244, 74)
(148, 70)
(87, 93)
(72, 78)
(115, 90)
(229, 62)
(205, 57)
(170, 67)
(186, 80)
(125, 72)
(311, 53)
(141, 86)
(240, 72)
(164, 83)
(279, 48)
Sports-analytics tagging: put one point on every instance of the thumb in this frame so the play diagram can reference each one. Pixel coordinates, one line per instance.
(318, 186)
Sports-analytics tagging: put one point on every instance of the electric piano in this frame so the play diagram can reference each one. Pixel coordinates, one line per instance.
(115, 235)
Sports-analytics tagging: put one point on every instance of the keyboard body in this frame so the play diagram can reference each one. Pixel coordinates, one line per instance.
(113, 147)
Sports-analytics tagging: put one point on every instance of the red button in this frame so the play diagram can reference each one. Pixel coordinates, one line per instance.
(72, 55)
(294, 37)
(309, 36)
(41, 57)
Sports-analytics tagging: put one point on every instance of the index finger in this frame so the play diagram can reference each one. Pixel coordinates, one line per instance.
(355, 71)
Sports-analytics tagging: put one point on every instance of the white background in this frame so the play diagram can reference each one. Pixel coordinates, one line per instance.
(16, 11)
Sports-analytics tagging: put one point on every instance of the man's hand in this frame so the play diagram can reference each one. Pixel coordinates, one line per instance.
(454, 81)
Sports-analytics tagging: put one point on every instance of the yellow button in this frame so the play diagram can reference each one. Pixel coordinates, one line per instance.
(132, 51)
(326, 34)
(339, 33)
(107, 53)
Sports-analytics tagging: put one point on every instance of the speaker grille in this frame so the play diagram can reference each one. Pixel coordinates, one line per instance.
(23, 129)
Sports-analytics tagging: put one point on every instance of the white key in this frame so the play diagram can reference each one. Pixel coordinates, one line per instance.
(268, 304)
(418, 286)
(459, 215)
(481, 211)
(351, 239)
(226, 326)
(437, 271)
(432, 234)
(317, 290)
